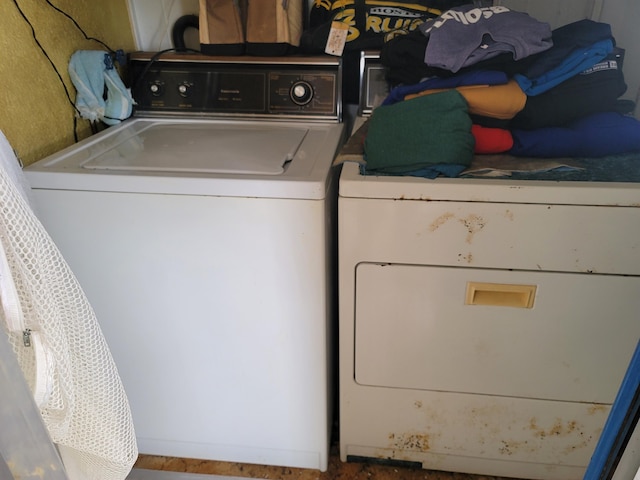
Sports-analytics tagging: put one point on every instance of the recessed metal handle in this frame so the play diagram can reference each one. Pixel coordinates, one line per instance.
(500, 294)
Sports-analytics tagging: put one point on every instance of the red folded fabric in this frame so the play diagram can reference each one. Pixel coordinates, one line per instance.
(491, 140)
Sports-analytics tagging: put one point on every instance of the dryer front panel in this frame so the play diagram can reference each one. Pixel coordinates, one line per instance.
(552, 336)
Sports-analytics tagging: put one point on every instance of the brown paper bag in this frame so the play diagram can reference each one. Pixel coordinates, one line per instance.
(222, 27)
(274, 27)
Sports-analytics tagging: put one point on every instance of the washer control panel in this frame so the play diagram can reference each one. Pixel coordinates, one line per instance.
(240, 86)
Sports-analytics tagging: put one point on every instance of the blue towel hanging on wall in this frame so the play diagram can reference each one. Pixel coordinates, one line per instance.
(91, 71)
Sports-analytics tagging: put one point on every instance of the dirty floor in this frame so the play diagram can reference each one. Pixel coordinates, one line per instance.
(337, 470)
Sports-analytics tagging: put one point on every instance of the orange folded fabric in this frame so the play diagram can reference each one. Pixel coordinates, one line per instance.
(495, 101)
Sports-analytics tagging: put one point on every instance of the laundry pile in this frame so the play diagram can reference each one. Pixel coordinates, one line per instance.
(490, 80)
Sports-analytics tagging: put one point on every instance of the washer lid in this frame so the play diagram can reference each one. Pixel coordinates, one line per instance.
(229, 149)
(198, 156)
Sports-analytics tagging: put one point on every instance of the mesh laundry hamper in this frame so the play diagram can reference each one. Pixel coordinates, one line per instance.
(58, 342)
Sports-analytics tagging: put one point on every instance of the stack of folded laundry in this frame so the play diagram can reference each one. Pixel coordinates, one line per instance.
(489, 80)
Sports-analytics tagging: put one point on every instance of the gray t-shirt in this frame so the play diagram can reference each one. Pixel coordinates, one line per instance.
(465, 35)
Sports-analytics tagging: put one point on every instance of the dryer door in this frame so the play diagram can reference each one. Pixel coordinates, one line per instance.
(417, 327)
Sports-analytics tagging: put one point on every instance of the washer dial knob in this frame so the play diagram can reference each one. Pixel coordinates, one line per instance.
(156, 88)
(185, 89)
(301, 92)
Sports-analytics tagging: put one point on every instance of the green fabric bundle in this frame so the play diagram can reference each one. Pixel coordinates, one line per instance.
(419, 133)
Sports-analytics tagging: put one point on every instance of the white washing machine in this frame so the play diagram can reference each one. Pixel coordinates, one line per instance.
(485, 324)
(202, 231)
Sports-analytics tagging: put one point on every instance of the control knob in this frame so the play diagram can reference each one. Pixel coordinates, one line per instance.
(184, 89)
(156, 88)
(301, 92)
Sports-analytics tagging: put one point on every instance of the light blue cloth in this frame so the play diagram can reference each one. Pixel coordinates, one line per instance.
(90, 74)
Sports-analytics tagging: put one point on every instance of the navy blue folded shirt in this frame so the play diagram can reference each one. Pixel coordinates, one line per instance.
(474, 77)
(597, 135)
(566, 40)
(594, 90)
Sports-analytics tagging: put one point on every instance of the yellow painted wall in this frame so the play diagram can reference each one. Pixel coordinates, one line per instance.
(35, 114)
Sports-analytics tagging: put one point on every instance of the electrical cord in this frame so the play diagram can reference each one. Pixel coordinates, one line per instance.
(117, 55)
(53, 65)
(114, 55)
(87, 37)
(156, 56)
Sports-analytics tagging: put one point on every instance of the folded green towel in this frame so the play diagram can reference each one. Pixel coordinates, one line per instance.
(418, 133)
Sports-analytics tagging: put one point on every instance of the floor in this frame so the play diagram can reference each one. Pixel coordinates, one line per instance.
(337, 470)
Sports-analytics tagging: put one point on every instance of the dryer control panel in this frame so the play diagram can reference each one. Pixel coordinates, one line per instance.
(191, 84)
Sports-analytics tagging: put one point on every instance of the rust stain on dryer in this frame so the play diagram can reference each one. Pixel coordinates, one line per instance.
(410, 441)
(441, 220)
(557, 429)
(509, 214)
(570, 435)
(468, 258)
(597, 408)
(473, 223)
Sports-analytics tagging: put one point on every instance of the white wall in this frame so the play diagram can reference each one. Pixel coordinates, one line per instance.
(622, 15)
(152, 21)
(556, 13)
(624, 18)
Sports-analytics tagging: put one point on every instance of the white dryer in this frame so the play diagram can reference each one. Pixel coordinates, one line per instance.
(485, 324)
(202, 231)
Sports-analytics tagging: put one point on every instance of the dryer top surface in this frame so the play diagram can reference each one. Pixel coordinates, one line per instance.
(615, 186)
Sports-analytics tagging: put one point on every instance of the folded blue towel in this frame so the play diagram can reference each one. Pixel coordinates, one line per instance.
(576, 62)
(90, 74)
(473, 77)
(598, 135)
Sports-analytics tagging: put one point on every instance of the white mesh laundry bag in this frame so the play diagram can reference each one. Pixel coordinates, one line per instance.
(58, 342)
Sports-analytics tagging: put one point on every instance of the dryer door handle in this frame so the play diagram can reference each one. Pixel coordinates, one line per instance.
(500, 294)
